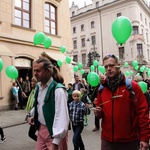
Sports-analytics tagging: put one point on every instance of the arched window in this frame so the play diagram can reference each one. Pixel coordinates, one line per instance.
(50, 18)
(23, 13)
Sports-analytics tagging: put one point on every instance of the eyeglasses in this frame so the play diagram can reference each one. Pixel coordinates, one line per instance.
(110, 56)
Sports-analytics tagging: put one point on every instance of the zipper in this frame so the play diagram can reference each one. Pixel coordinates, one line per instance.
(112, 118)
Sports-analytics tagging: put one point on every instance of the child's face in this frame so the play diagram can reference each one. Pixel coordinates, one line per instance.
(76, 97)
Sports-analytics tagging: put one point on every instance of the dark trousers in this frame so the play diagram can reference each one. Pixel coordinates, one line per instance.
(96, 122)
(21, 102)
(1, 133)
(119, 145)
(31, 132)
(77, 139)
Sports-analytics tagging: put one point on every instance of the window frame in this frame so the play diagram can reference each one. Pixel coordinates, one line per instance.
(84, 58)
(50, 19)
(83, 42)
(74, 44)
(139, 49)
(135, 30)
(121, 53)
(22, 11)
(92, 24)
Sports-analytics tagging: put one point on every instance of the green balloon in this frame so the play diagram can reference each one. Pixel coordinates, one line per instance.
(95, 63)
(82, 71)
(68, 60)
(1, 64)
(80, 65)
(143, 86)
(126, 64)
(137, 74)
(142, 69)
(131, 72)
(121, 29)
(39, 38)
(134, 63)
(92, 68)
(59, 63)
(148, 73)
(127, 73)
(75, 68)
(136, 67)
(62, 49)
(103, 70)
(47, 42)
(11, 72)
(93, 79)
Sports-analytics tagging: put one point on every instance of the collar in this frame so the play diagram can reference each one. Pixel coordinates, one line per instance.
(46, 85)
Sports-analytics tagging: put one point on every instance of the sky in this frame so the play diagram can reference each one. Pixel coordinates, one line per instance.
(80, 3)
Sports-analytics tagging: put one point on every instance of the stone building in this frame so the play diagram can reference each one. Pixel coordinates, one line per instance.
(19, 21)
(91, 31)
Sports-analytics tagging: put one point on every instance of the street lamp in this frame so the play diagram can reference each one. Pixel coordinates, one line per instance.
(93, 56)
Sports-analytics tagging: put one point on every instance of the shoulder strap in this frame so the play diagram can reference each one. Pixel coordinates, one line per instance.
(101, 88)
(129, 87)
(128, 84)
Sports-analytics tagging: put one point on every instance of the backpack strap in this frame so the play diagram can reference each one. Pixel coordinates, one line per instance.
(129, 87)
(101, 87)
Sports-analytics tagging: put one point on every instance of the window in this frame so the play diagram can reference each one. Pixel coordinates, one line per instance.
(97, 4)
(142, 32)
(148, 54)
(139, 49)
(74, 29)
(135, 30)
(147, 37)
(73, 13)
(82, 27)
(83, 42)
(145, 21)
(83, 59)
(119, 14)
(75, 58)
(92, 24)
(93, 40)
(75, 44)
(50, 19)
(23, 13)
(121, 52)
(141, 16)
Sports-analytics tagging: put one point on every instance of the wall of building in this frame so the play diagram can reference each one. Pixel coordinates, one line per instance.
(19, 41)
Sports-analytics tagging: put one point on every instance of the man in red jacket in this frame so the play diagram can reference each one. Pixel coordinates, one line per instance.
(124, 115)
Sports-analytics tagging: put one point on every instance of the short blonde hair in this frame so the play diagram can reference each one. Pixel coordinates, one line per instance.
(34, 79)
(76, 92)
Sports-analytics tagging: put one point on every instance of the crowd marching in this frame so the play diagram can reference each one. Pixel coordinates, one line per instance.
(54, 108)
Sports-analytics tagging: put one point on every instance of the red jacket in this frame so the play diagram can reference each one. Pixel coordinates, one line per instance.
(122, 117)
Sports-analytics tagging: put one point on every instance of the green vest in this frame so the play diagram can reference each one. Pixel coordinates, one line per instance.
(48, 107)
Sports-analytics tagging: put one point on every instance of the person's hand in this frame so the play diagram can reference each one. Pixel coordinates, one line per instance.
(102, 78)
(31, 121)
(53, 147)
(143, 145)
(98, 111)
(87, 106)
(24, 95)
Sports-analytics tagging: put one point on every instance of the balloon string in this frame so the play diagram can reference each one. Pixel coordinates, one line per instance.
(19, 85)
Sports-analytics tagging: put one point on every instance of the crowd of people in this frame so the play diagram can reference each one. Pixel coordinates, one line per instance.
(51, 106)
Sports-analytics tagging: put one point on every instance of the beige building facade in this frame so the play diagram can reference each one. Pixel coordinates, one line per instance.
(91, 30)
(19, 21)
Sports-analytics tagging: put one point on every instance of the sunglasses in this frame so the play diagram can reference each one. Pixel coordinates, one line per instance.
(110, 56)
